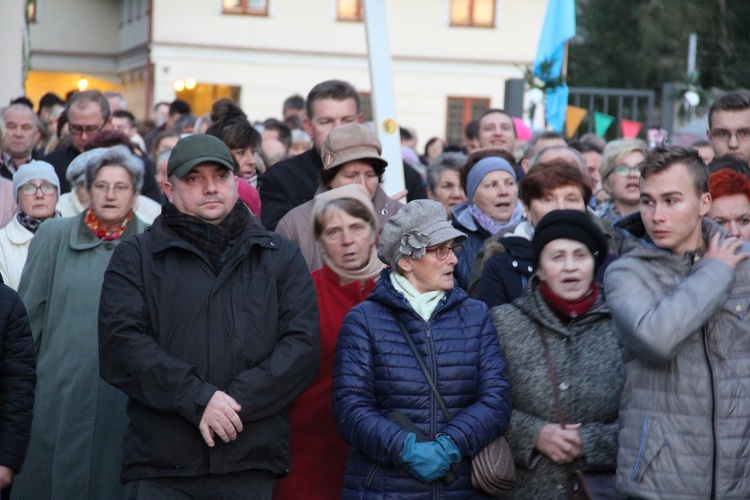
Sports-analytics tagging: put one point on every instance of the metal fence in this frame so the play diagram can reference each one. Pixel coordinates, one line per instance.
(635, 105)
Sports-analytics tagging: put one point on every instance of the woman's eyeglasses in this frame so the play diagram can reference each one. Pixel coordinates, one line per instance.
(624, 171)
(31, 189)
(442, 251)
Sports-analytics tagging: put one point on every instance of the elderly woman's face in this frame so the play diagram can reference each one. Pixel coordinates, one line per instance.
(33, 200)
(357, 172)
(567, 267)
(112, 195)
(733, 213)
(497, 195)
(430, 273)
(560, 198)
(347, 240)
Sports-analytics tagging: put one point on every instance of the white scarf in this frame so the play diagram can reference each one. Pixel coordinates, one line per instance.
(423, 304)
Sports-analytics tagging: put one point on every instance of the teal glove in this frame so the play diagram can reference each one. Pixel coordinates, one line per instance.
(426, 461)
(450, 448)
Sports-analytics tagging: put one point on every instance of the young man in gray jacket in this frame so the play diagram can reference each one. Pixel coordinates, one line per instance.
(679, 298)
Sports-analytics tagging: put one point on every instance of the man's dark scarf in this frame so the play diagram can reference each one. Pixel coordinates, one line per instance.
(214, 240)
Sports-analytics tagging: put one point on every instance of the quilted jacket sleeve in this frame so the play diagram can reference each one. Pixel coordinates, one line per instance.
(653, 324)
(487, 418)
(359, 421)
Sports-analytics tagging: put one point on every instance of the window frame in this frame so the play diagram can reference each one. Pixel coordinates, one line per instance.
(358, 17)
(467, 103)
(471, 23)
(245, 10)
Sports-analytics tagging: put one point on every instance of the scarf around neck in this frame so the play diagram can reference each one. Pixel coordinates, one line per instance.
(567, 310)
(371, 270)
(491, 225)
(423, 304)
(214, 240)
(32, 223)
(92, 222)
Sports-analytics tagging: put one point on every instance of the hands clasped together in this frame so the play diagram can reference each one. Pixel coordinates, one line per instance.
(429, 460)
(220, 418)
(561, 444)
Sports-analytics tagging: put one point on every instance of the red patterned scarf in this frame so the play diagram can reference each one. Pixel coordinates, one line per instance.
(95, 226)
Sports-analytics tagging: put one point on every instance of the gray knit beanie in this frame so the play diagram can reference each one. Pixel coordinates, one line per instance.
(35, 169)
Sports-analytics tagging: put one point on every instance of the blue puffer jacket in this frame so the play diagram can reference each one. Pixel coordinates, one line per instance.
(375, 373)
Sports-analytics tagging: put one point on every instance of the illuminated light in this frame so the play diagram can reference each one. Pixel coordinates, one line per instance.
(83, 84)
(190, 83)
(179, 85)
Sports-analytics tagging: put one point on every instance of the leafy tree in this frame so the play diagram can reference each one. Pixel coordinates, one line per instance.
(644, 43)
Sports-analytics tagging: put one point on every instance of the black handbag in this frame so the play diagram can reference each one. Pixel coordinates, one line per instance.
(492, 469)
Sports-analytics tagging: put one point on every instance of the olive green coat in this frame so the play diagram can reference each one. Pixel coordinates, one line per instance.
(75, 450)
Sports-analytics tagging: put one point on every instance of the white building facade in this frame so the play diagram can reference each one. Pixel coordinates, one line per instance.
(450, 58)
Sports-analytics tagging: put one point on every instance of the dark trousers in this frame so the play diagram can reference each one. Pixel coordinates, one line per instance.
(251, 485)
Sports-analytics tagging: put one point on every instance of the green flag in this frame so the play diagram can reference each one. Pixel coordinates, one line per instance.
(602, 122)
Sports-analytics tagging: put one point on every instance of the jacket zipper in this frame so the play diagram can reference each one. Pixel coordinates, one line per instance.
(713, 414)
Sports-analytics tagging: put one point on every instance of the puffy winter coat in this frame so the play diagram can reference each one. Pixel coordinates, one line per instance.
(375, 373)
(685, 409)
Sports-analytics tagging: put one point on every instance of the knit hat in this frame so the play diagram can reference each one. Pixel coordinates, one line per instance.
(195, 149)
(77, 169)
(484, 167)
(414, 228)
(34, 169)
(355, 192)
(570, 225)
(350, 142)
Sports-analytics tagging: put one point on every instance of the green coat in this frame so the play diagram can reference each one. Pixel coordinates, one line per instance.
(79, 420)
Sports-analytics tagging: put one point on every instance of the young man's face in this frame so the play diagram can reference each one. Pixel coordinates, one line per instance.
(496, 130)
(671, 209)
(327, 115)
(730, 133)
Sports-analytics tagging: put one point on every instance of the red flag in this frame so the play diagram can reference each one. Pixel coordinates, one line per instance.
(630, 128)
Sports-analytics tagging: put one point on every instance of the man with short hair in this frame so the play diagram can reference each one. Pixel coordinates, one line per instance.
(539, 141)
(124, 121)
(21, 135)
(729, 125)
(88, 112)
(209, 323)
(678, 300)
(116, 101)
(275, 129)
(294, 181)
(293, 106)
(497, 130)
(471, 139)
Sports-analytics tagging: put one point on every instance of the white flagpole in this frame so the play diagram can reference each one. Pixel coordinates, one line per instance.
(383, 102)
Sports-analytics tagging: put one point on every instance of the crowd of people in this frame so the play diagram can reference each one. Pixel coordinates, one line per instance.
(209, 307)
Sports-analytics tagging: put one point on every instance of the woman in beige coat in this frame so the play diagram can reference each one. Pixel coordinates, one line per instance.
(351, 155)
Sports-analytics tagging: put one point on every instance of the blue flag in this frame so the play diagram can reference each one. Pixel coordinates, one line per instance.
(559, 26)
